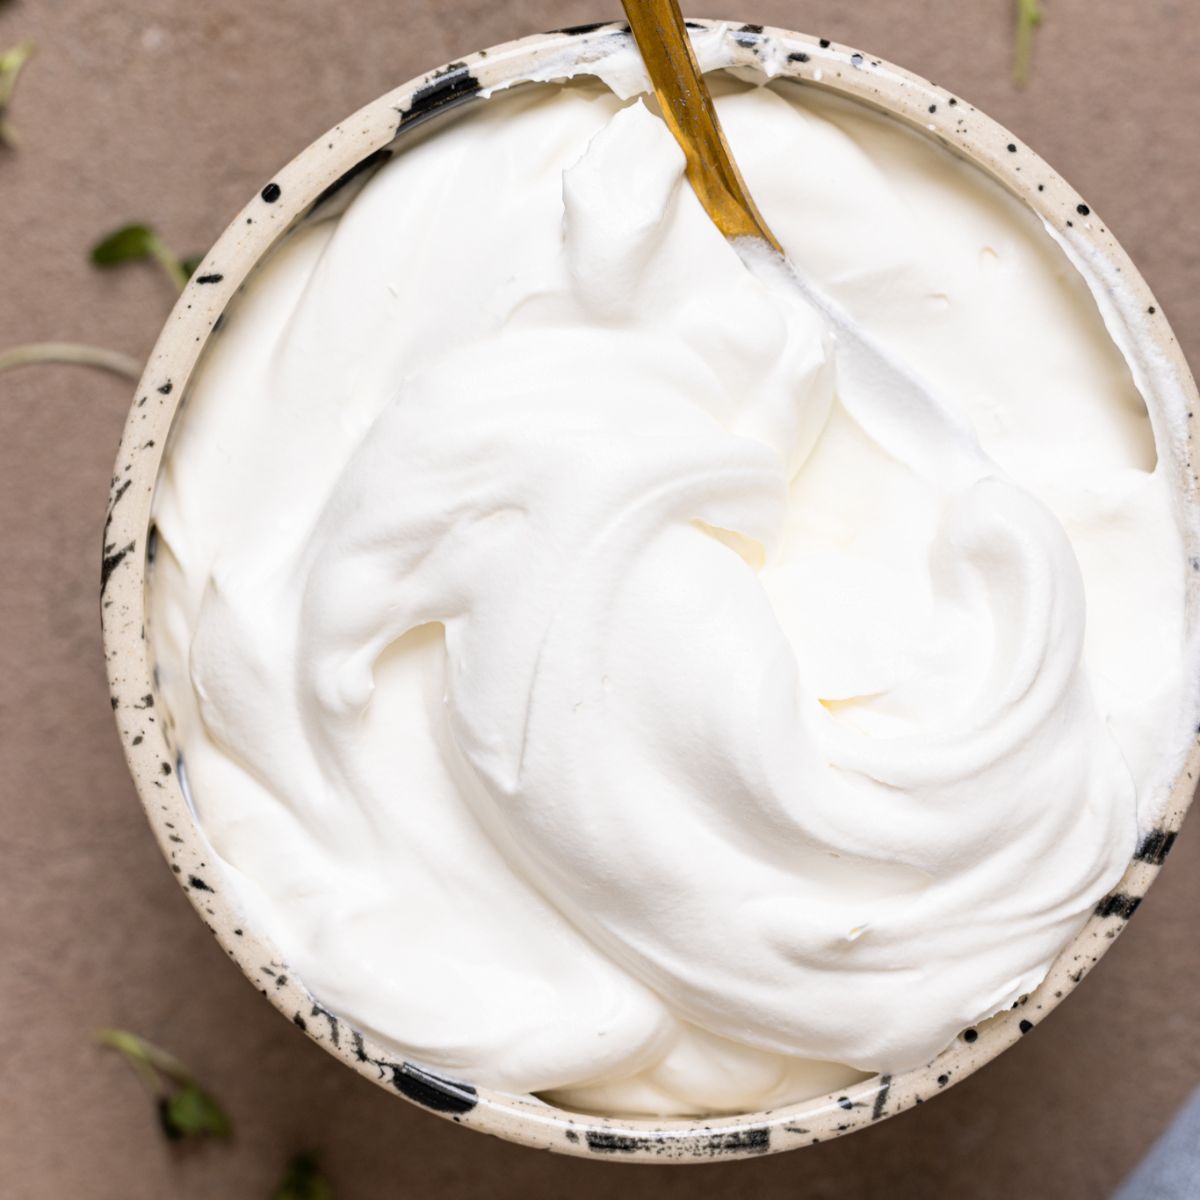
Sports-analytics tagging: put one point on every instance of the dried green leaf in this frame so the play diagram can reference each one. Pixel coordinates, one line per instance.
(137, 243)
(192, 1112)
(303, 1180)
(185, 1109)
(132, 243)
(1029, 17)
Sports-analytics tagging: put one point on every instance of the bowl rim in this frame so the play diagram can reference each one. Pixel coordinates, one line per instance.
(311, 178)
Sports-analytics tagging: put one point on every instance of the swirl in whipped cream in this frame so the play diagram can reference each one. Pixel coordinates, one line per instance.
(576, 675)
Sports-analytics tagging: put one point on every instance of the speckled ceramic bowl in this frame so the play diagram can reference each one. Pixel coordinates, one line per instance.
(330, 167)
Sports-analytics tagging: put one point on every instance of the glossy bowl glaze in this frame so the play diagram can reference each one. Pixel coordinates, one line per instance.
(325, 175)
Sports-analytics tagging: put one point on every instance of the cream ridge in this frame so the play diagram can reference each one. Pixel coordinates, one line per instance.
(594, 692)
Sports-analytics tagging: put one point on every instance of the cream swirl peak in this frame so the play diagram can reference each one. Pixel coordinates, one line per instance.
(593, 688)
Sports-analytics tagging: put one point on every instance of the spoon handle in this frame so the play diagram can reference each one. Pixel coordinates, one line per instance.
(687, 108)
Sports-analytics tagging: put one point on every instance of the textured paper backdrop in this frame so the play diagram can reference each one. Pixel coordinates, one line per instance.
(176, 113)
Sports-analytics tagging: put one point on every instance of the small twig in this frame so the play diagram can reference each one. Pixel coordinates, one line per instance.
(127, 1046)
(70, 354)
(1029, 17)
(146, 1058)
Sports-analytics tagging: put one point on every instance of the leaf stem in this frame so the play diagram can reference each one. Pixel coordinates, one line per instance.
(166, 258)
(1029, 17)
(70, 354)
(133, 1050)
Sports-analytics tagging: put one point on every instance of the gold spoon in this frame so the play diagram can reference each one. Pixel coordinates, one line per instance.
(905, 416)
(687, 107)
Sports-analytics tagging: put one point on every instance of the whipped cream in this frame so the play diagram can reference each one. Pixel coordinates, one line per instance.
(595, 692)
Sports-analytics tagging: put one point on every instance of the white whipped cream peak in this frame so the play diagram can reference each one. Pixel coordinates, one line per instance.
(593, 684)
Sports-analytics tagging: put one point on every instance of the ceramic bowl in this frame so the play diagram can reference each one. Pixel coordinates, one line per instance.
(328, 172)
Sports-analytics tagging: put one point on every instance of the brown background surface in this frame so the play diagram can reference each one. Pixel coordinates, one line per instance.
(176, 113)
